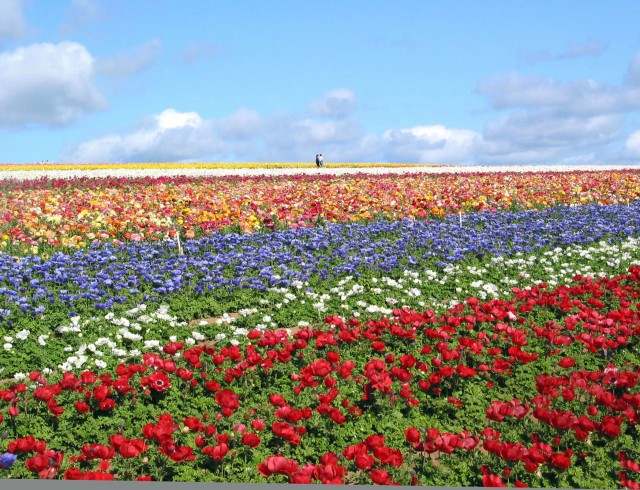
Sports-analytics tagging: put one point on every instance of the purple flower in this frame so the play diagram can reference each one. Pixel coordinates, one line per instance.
(7, 460)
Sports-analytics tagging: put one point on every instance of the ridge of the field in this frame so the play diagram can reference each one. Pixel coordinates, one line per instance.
(37, 171)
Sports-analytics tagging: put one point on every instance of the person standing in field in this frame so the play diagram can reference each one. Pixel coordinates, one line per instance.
(320, 160)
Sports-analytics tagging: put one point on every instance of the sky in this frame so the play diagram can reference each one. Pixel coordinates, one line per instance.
(401, 81)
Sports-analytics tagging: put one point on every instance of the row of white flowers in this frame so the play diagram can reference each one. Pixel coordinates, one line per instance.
(131, 336)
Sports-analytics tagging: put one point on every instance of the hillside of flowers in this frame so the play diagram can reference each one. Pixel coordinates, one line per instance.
(416, 329)
(76, 212)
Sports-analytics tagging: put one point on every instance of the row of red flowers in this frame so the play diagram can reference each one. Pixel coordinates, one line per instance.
(538, 390)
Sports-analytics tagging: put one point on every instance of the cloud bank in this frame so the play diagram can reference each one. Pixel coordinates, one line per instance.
(47, 84)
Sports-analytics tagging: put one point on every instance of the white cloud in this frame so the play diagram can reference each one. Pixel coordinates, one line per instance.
(542, 135)
(12, 23)
(167, 136)
(299, 137)
(632, 145)
(123, 65)
(242, 124)
(430, 144)
(48, 84)
(576, 97)
(553, 121)
(339, 102)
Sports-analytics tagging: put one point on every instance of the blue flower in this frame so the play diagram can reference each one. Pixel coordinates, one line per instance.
(7, 460)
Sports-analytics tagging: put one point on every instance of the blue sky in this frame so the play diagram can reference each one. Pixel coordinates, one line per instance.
(489, 82)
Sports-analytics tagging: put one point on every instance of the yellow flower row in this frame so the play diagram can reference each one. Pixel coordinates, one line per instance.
(199, 165)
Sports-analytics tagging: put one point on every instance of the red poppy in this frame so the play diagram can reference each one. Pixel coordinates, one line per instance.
(380, 477)
(250, 439)
(277, 465)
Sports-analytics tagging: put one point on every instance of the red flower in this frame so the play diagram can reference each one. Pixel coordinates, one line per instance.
(107, 405)
(175, 452)
(212, 386)
(251, 440)
(412, 435)
(490, 480)
(22, 445)
(132, 448)
(277, 400)
(277, 464)
(46, 463)
(158, 381)
(566, 362)
(100, 393)
(97, 451)
(561, 461)
(218, 452)
(364, 461)
(228, 400)
(380, 477)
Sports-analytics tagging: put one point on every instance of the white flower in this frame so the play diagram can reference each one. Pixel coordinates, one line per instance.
(20, 376)
(100, 364)
(220, 336)
(66, 366)
(8, 346)
(197, 336)
(23, 334)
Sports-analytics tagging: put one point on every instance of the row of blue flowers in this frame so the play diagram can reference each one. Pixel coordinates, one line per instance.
(104, 275)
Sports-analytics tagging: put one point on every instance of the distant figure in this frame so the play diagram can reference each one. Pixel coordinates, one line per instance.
(320, 160)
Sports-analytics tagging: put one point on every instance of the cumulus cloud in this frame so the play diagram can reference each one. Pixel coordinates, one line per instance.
(552, 121)
(339, 102)
(12, 23)
(430, 144)
(47, 84)
(242, 124)
(574, 97)
(167, 136)
(123, 65)
(544, 136)
(242, 135)
(299, 138)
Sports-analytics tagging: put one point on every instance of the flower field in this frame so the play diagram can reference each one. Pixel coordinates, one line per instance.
(439, 329)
